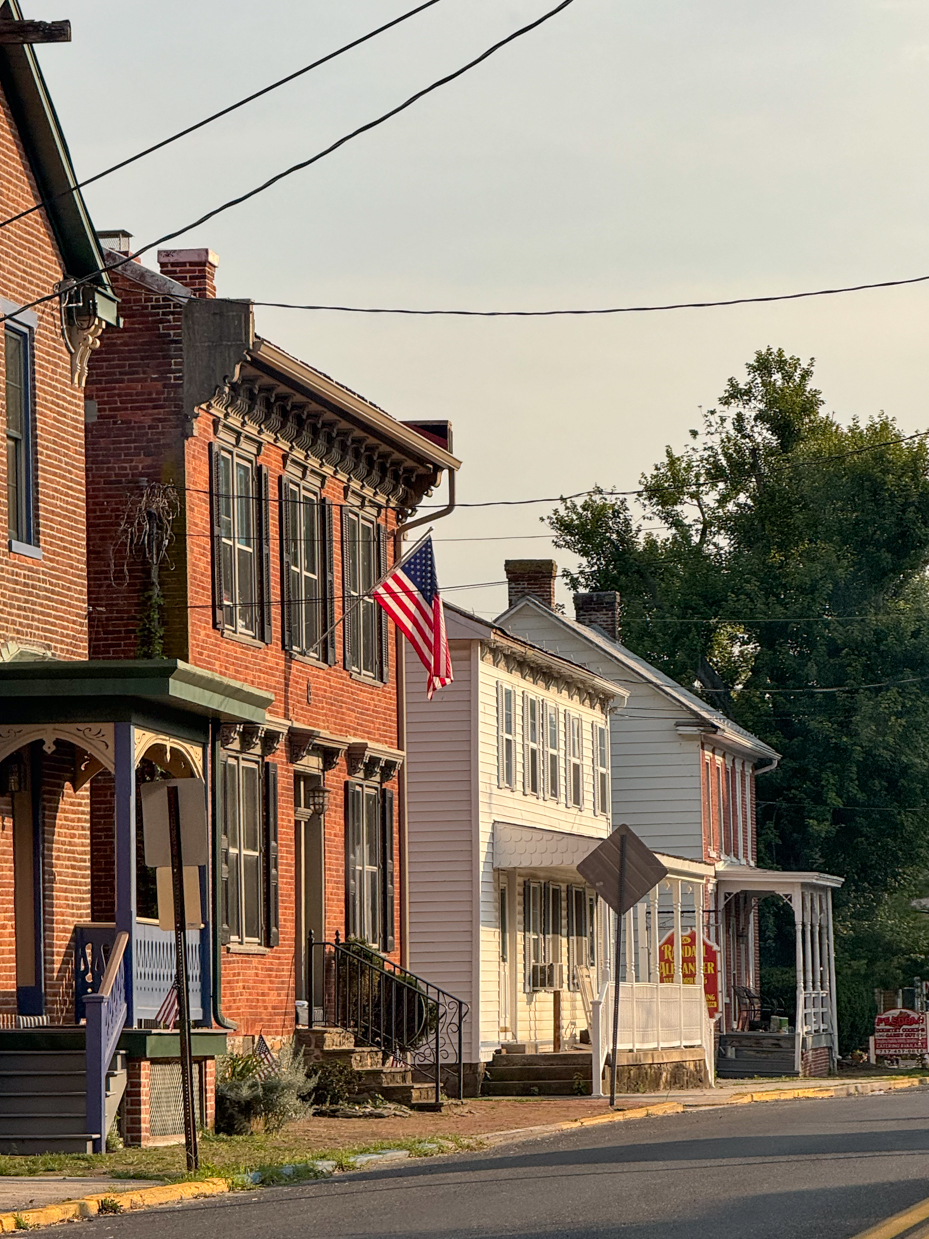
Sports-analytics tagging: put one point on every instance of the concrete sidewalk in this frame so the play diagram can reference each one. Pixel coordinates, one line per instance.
(21, 1192)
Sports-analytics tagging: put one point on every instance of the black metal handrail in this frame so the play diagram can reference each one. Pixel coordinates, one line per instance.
(388, 1008)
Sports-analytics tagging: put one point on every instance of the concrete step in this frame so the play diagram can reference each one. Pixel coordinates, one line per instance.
(318, 1040)
(41, 1081)
(73, 1104)
(358, 1059)
(567, 1058)
(13, 1126)
(375, 1079)
(503, 1071)
(57, 1142)
(527, 1088)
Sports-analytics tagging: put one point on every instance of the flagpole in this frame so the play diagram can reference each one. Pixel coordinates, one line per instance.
(368, 593)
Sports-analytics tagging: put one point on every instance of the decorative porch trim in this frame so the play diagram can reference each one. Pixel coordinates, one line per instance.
(94, 738)
(178, 754)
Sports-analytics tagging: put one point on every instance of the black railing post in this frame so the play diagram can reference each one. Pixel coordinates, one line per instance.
(438, 1052)
(460, 1051)
(311, 979)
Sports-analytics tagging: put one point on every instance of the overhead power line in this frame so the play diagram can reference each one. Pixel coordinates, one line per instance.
(208, 120)
(306, 163)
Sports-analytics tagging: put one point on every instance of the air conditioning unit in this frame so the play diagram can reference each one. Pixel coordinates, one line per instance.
(546, 976)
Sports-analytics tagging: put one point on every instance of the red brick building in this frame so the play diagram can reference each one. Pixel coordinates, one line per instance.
(241, 505)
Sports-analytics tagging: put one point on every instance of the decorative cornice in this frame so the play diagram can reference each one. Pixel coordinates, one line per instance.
(251, 738)
(539, 668)
(372, 761)
(329, 747)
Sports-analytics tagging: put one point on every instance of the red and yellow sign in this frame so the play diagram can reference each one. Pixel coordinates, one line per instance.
(689, 966)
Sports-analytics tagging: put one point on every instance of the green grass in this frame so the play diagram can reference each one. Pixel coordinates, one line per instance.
(225, 1157)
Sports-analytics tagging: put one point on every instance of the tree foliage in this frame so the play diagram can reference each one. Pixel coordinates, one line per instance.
(788, 573)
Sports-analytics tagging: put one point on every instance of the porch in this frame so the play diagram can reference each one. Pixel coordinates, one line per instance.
(808, 1045)
(81, 1011)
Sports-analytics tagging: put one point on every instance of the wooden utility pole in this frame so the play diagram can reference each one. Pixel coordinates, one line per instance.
(34, 32)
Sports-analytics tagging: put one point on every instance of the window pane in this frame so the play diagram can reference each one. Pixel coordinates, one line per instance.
(244, 514)
(15, 345)
(232, 896)
(508, 763)
(508, 711)
(366, 559)
(368, 636)
(225, 495)
(310, 535)
(352, 552)
(252, 883)
(372, 801)
(231, 803)
(13, 451)
(251, 808)
(245, 562)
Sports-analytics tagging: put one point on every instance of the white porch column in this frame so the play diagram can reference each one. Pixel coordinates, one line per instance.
(653, 973)
(678, 957)
(798, 1018)
(697, 889)
(818, 986)
(830, 956)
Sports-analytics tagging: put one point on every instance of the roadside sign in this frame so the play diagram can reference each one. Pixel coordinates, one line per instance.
(901, 1034)
(619, 885)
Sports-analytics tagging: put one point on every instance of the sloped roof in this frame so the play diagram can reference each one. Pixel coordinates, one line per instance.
(625, 659)
(50, 160)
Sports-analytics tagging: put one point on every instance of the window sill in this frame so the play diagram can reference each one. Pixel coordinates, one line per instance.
(243, 639)
(26, 549)
(369, 680)
(307, 659)
(246, 948)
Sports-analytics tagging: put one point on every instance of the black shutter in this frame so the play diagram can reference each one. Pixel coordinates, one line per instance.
(388, 941)
(349, 615)
(383, 643)
(216, 538)
(350, 872)
(328, 652)
(272, 882)
(264, 552)
(527, 935)
(287, 598)
(224, 934)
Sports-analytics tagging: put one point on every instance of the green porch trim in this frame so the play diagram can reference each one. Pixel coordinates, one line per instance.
(160, 1043)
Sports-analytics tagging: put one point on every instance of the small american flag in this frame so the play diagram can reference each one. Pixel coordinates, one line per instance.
(167, 1012)
(269, 1064)
(410, 596)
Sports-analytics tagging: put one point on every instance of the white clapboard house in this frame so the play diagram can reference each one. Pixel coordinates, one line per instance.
(509, 788)
(683, 778)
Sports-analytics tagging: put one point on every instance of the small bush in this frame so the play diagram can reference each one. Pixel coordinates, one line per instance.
(246, 1098)
(335, 1083)
(109, 1204)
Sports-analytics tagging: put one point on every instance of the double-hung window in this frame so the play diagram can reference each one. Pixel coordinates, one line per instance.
(506, 735)
(601, 770)
(364, 560)
(369, 864)
(20, 435)
(580, 943)
(306, 544)
(543, 926)
(574, 761)
(532, 742)
(249, 851)
(241, 544)
(552, 753)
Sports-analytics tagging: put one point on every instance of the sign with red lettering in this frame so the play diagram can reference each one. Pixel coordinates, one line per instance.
(689, 966)
(901, 1033)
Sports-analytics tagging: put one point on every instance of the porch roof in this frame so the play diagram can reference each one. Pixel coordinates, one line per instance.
(536, 847)
(734, 878)
(49, 690)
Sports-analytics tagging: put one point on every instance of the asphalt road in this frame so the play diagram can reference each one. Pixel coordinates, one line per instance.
(776, 1170)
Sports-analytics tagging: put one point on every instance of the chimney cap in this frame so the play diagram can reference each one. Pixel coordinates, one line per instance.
(199, 257)
(116, 239)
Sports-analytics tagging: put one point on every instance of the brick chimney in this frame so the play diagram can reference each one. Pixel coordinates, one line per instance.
(195, 269)
(533, 578)
(600, 610)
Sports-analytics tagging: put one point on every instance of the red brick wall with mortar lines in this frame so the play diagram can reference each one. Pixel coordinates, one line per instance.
(816, 1062)
(7, 935)
(140, 433)
(43, 601)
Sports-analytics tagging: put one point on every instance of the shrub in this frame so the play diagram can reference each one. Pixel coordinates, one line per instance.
(245, 1096)
(335, 1083)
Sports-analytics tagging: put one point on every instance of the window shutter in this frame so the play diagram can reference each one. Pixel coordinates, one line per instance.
(527, 936)
(264, 550)
(216, 538)
(287, 593)
(525, 744)
(224, 773)
(383, 644)
(328, 651)
(500, 758)
(351, 892)
(272, 882)
(595, 770)
(388, 941)
(348, 612)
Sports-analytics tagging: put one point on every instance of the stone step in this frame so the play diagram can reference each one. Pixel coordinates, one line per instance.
(318, 1040)
(358, 1059)
(55, 1142)
(71, 1104)
(503, 1071)
(566, 1058)
(408, 1094)
(377, 1078)
(527, 1088)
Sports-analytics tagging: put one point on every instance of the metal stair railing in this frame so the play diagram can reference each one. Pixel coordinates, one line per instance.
(410, 1020)
(106, 1017)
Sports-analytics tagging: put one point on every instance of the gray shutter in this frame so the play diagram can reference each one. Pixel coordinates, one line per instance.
(216, 539)
(349, 616)
(272, 933)
(383, 643)
(388, 941)
(224, 933)
(264, 552)
(328, 651)
(287, 593)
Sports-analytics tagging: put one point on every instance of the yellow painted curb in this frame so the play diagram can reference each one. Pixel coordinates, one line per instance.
(897, 1224)
(89, 1206)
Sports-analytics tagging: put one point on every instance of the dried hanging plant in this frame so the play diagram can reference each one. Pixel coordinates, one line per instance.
(146, 532)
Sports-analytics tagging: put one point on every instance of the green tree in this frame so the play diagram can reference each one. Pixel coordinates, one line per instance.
(788, 574)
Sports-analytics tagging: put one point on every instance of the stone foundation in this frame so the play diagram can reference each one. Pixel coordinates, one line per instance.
(651, 1071)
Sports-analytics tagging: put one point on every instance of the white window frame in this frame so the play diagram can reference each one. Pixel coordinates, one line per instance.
(239, 544)
(506, 740)
(601, 772)
(532, 745)
(574, 760)
(551, 736)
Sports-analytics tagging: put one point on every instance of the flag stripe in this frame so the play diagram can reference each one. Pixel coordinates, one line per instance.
(410, 596)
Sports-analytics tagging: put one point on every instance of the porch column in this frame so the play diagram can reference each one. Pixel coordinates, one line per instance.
(125, 837)
(654, 975)
(830, 957)
(697, 889)
(678, 956)
(797, 901)
(818, 986)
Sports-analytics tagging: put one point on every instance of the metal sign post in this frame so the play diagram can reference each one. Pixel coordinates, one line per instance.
(183, 997)
(620, 917)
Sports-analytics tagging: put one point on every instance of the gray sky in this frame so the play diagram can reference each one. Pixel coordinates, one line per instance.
(624, 153)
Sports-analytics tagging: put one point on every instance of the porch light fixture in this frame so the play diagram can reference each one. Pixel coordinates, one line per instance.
(317, 800)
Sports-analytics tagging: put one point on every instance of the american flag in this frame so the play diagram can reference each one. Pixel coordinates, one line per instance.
(268, 1064)
(167, 1012)
(410, 596)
